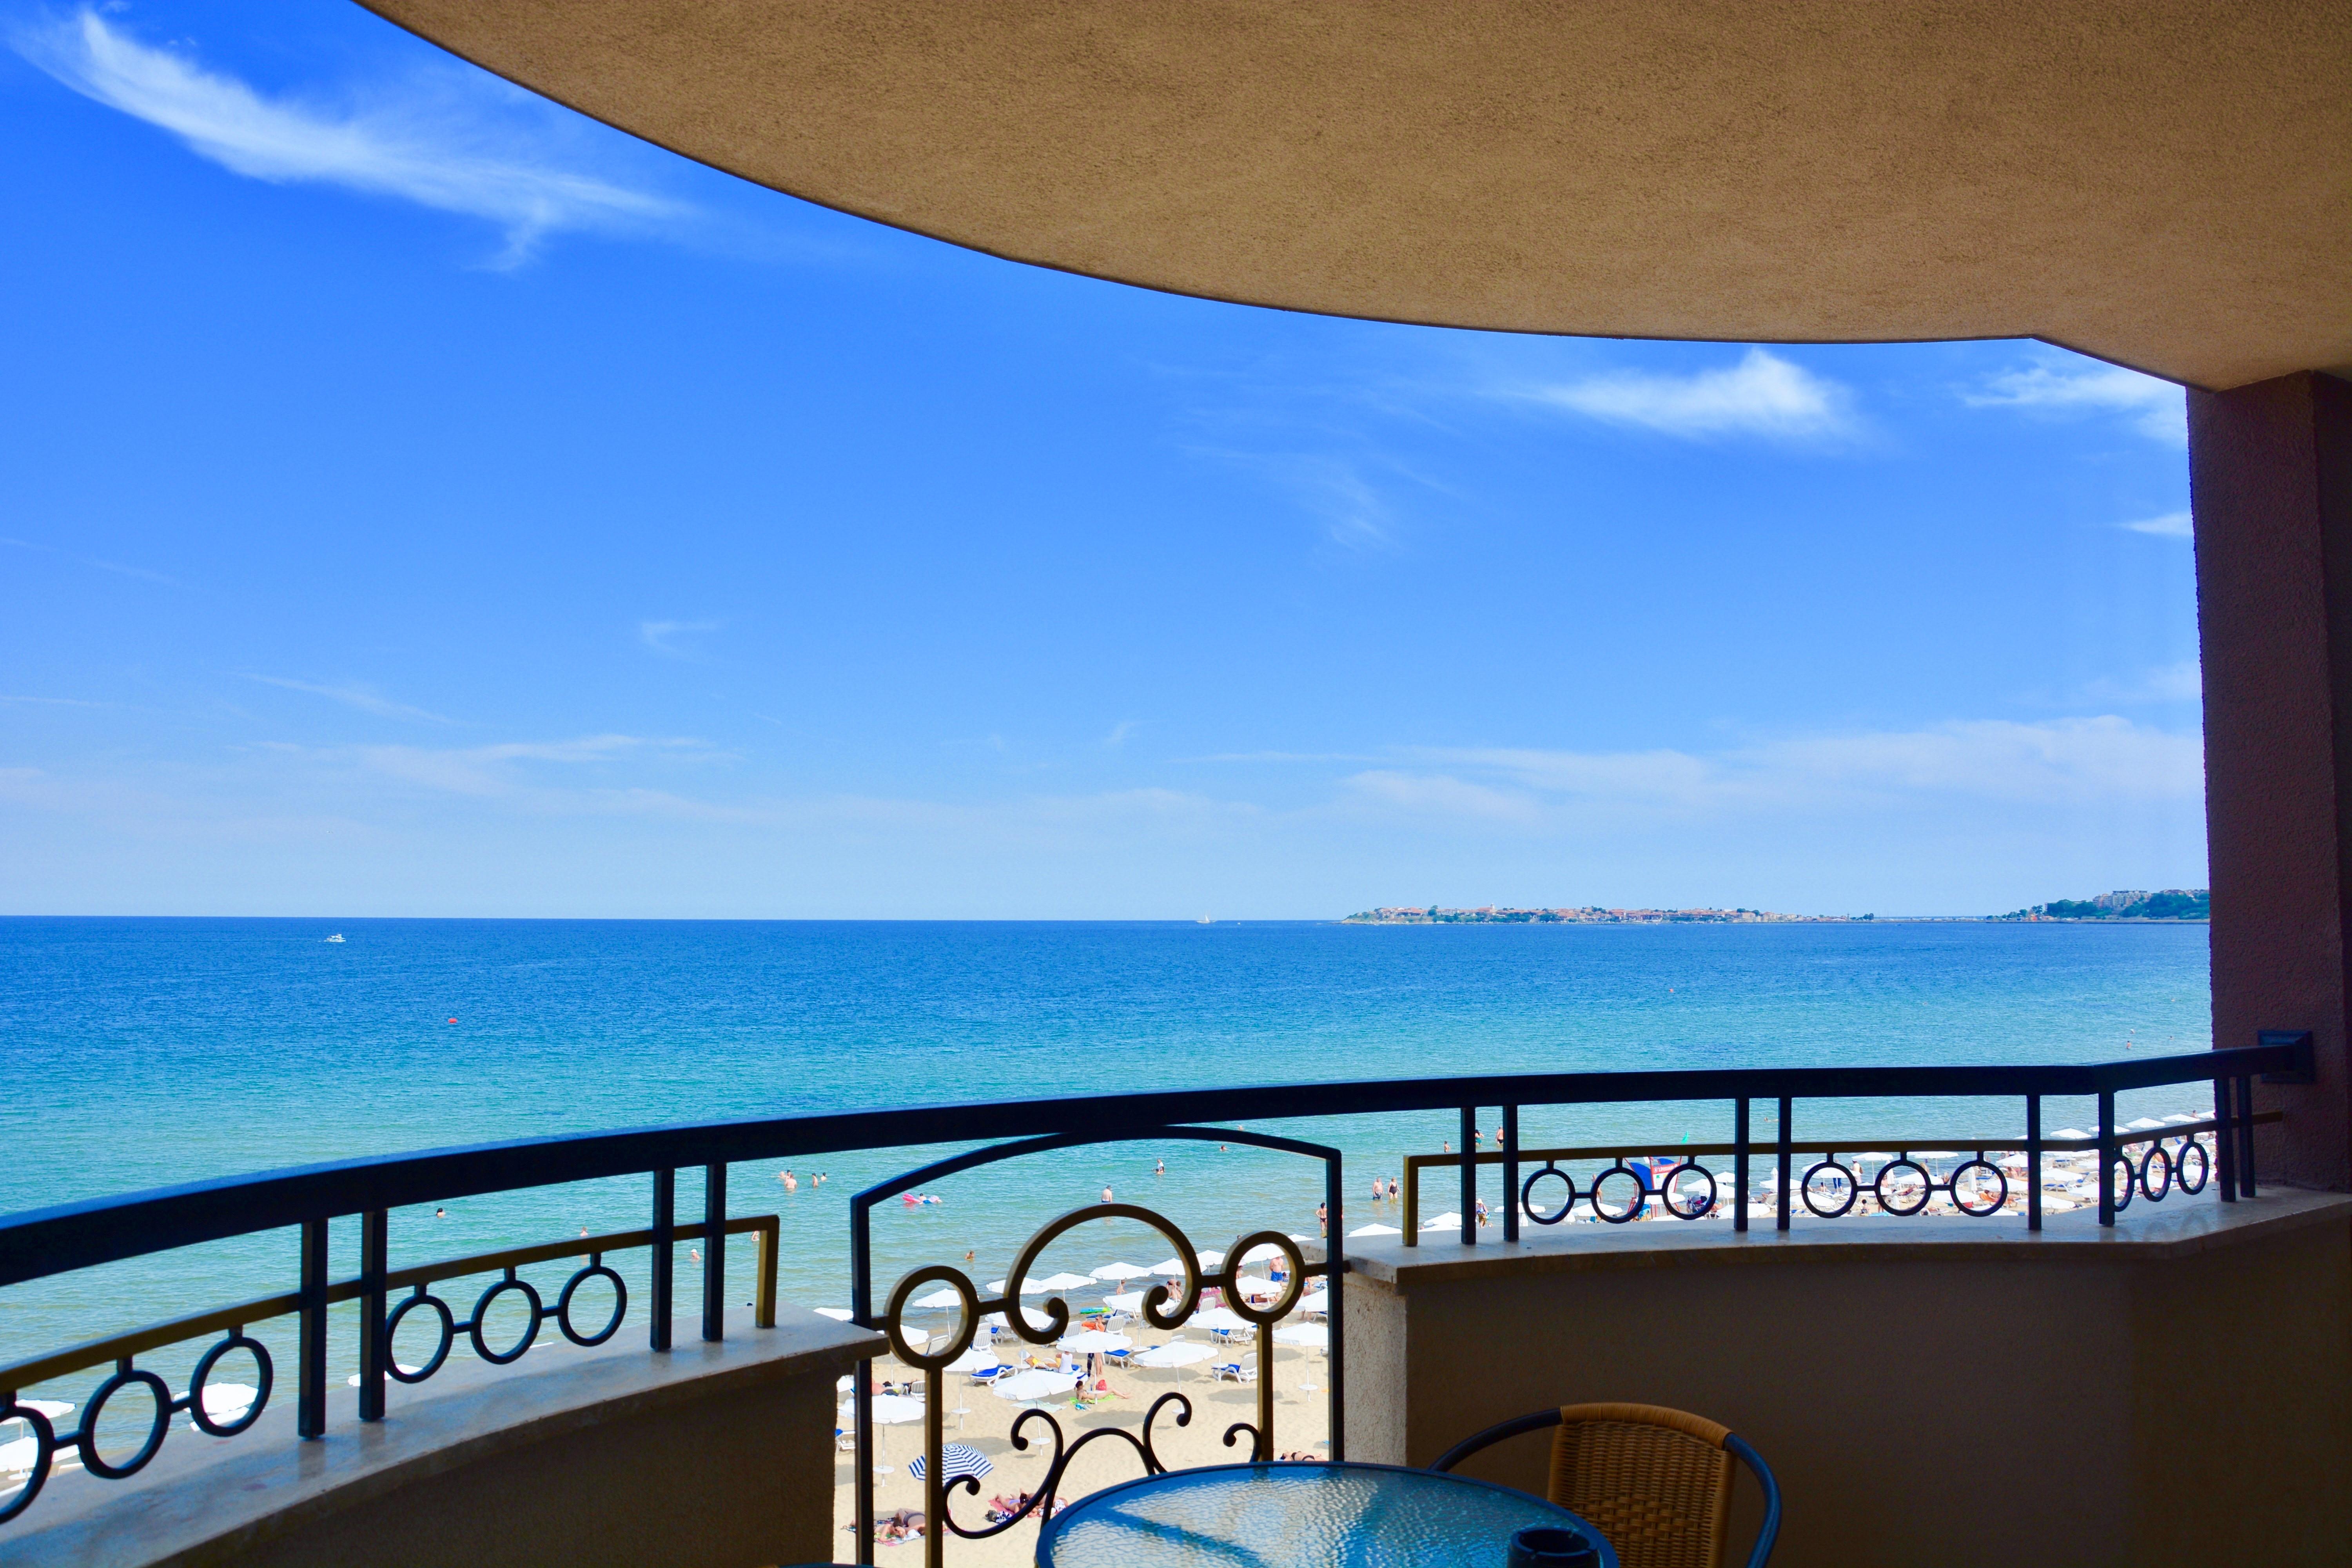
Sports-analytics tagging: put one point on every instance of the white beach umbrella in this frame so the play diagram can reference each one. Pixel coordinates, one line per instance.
(972, 1360)
(1256, 1290)
(889, 1410)
(19, 1458)
(1307, 1336)
(1447, 1221)
(2144, 1124)
(1128, 1301)
(1376, 1230)
(937, 1299)
(1263, 1250)
(1175, 1353)
(1091, 1341)
(1315, 1301)
(1061, 1282)
(1120, 1272)
(1221, 1318)
(2180, 1116)
(838, 1314)
(224, 1402)
(1035, 1383)
(2072, 1133)
(351, 1381)
(53, 1409)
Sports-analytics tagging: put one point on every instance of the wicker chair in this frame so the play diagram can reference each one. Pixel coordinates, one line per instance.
(1656, 1482)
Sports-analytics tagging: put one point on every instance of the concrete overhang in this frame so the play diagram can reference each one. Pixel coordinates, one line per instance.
(2166, 184)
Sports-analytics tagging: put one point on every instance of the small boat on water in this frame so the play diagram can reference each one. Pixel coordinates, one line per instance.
(337, 937)
(1206, 921)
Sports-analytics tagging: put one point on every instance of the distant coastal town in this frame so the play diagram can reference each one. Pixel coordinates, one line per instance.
(2173, 904)
(1431, 914)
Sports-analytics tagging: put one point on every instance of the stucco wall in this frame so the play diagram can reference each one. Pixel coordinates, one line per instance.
(2167, 1394)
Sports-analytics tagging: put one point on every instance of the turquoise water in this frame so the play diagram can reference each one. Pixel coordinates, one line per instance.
(143, 1052)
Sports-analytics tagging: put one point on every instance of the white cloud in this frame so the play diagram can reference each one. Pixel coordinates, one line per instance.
(456, 154)
(2158, 409)
(656, 635)
(2181, 682)
(1763, 395)
(1120, 733)
(360, 697)
(491, 770)
(2171, 525)
(2063, 762)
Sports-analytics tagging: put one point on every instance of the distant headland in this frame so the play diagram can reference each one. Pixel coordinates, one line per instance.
(2173, 904)
(1431, 914)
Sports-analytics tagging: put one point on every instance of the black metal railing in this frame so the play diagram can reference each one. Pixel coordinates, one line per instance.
(42, 1243)
(2178, 1157)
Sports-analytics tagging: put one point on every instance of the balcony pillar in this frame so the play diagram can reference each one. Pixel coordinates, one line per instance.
(2270, 470)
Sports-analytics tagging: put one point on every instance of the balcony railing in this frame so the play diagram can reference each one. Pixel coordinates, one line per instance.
(48, 1242)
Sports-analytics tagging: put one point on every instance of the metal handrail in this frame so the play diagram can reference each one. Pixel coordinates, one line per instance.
(38, 1243)
(138, 1341)
(45, 1242)
(1415, 1163)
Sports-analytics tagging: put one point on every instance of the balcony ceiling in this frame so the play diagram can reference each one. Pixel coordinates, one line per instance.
(2161, 184)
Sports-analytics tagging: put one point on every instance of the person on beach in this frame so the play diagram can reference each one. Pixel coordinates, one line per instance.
(1105, 1194)
(1323, 1219)
(792, 1182)
(1159, 1167)
(1392, 1189)
(1376, 1189)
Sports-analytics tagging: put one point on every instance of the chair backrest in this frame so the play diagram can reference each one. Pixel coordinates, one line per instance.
(1656, 1482)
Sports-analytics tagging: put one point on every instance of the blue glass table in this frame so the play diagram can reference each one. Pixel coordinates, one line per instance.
(1299, 1516)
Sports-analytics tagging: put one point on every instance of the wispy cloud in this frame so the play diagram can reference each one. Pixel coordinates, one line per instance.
(657, 636)
(365, 698)
(457, 153)
(2156, 409)
(92, 562)
(496, 770)
(2181, 682)
(2171, 525)
(1120, 733)
(1763, 395)
(2066, 762)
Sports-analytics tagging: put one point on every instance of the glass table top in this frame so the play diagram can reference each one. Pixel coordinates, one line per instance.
(1298, 1516)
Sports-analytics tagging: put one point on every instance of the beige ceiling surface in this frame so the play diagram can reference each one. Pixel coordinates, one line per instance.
(2168, 186)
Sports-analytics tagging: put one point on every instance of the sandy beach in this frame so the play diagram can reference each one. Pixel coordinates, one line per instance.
(1300, 1376)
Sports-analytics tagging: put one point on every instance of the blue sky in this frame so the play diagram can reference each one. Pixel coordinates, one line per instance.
(417, 500)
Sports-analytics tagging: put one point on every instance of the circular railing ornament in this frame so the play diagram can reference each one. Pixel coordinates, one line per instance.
(2204, 1167)
(1634, 1210)
(2001, 1188)
(1666, 1191)
(1526, 1199)
(968, 1327)
(1829, 1165)
(440, 1351)
(1901, 1162)
(2121, 1200)
(482, 1312)
(45, 1450)
(237, 1340)
(563, 1306)
(2155, 1191)
(156, 1430)
(1228, 1279)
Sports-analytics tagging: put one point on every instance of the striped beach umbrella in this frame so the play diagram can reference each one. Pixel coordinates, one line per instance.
(957, 1461)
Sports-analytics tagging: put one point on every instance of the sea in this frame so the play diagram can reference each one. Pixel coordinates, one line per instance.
(139, 1053)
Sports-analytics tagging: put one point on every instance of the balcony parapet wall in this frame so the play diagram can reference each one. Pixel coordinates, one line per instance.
(711, 1453)
(1928, 1391)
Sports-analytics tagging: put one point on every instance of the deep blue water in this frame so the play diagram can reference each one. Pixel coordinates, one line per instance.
(142, 1052)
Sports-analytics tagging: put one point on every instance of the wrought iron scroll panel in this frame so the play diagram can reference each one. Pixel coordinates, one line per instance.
(973, 1307)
